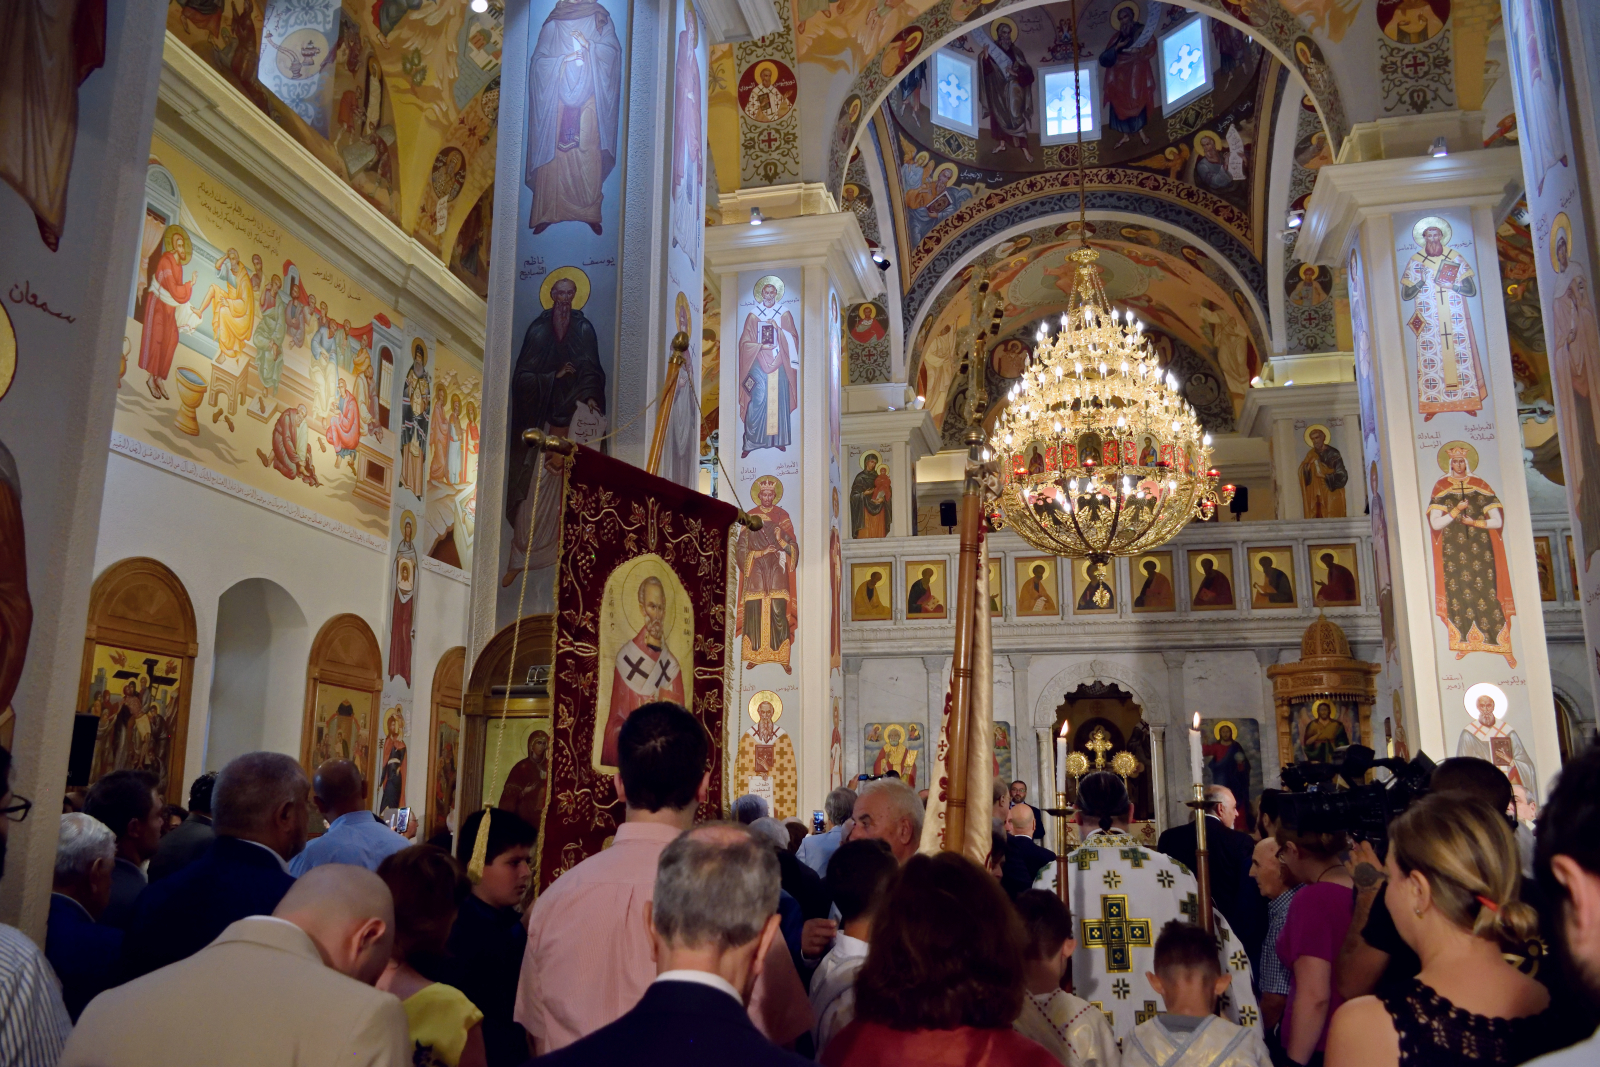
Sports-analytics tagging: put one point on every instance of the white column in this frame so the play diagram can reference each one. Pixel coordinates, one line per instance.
(1175, 763)
(1268, 718)
(1041, 789)
(935, 665)
(1158, 760)
(852, 717)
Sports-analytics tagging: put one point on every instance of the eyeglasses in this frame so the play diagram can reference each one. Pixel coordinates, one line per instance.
(18, 809)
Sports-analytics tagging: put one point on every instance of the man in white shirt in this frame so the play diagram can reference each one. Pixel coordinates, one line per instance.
(858, 879)
(354, 835)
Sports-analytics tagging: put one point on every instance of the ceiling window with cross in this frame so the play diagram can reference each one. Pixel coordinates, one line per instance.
(1185, 62)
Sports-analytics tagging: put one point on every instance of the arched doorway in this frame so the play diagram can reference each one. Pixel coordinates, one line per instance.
(1111, 710)
(492, 752)
(138, 668)
(444, 739)
(344, 683)
(260, 644)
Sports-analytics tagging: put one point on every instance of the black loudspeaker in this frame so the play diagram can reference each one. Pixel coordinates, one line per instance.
(84, 729)
(947, 513)
(1241, 501)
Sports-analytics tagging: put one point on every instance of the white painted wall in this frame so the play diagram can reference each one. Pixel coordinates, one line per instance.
(261, 643)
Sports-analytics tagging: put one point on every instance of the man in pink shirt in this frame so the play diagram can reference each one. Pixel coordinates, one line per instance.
(589, 959)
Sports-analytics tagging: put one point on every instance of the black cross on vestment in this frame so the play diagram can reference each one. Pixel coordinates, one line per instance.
(636, 667)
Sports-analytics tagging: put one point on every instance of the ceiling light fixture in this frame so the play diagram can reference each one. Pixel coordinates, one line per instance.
(880, 260)
(1438, 149)
(756, 218)
(480, 6)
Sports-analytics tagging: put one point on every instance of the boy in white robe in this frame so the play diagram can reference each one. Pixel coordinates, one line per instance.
(1071, 1029)
(1189, 1033)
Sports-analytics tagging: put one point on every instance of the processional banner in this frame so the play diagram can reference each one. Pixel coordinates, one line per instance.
(641, 615)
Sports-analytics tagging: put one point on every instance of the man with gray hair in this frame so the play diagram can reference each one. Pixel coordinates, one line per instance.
(259, 813)
(815, 851)
(83, 952)
(888, 810)
(712, 921)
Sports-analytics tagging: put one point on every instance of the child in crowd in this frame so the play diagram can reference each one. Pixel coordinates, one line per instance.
(1189, 1033)
(859, 876)
(1074, 1031)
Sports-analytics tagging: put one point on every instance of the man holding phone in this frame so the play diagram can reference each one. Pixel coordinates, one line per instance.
(354, 836)
(817, 849)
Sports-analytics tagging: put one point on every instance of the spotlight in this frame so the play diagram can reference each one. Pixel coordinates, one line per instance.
(880, 260)
(920, 403)
(480, 6)
(756, 218)
(1296, 218)
(1256, 381)
(1438, 149)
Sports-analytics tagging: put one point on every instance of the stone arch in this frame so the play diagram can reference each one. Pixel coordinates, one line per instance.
(1147, 691)
(1266, 21)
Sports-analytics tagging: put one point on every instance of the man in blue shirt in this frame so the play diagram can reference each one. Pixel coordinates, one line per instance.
(354, 835)
(817, 849)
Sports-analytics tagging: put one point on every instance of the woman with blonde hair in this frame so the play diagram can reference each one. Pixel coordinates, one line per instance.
(1453, 873)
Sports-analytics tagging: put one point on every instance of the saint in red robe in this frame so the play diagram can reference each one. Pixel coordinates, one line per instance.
(160, 337)
(344, 428)
(644, 673)
(16, 609)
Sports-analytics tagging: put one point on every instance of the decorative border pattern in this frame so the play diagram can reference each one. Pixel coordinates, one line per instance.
(1265, 20)
(184, 468)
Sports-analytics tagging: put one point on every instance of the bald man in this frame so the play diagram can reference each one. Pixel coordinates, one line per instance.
(1233, 890)
(1025, 857)
(354, 834)
(293, 987)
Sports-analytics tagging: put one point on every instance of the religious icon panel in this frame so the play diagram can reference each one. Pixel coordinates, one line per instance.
(1093, 588)
(1152, 580)
(1572, 568)
(1333, 576)
(445, 756)
(894, 746)
(1037, 591)
(1232, 751)
(997, 596)
(871, 588)
(344, 725)
(871, 492)
(1320, 729)
(1323, 476)
(646, 636)
(1211, 579)
(1003, 763)
(1547, 570)
(135, 695)
(516, 764)
(1271, 578)
(1469, 557)
(925, 597)
(765, 765)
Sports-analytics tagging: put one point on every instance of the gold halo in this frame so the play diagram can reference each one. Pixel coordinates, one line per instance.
(1444, 455)
(764, 281)
(1216, 729)
(767, 696)
(755, 71)
(874, 455)
(1428, 222)
(419, 347)
(894, 726)
(866, 313)
(1308, 271)
(171, 232)
(1209, 135)
(1327, 434)
(994, 28)
(642, 568)
(955, 171)
(682, 304)
(8, 352)
(1132, 5)
(755, 488)
(1560, 224)
(572, 274)
(405, 517)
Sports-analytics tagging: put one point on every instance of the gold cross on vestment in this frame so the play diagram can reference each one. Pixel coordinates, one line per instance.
(1118, 934)
(1099, 743)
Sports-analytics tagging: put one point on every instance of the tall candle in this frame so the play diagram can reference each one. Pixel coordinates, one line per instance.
(1194, 751)
(1061, 758)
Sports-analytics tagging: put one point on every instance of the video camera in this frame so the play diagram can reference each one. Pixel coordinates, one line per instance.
(1331, 797)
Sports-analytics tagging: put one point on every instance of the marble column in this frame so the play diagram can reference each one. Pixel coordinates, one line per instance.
(1439, 414)
(1021, 715)
(1268, 718)
(783, 286)
(1176, 761)
(1158, 758)
(935, 666)
(854, 757)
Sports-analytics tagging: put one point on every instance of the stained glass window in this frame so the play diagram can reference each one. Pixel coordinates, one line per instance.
(955, 91)
(1185, 64)
(1068, 115)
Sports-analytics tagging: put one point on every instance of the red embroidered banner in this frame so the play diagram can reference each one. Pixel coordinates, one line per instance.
(641, 615)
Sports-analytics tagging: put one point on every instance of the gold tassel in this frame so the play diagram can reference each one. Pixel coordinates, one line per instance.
(480, 849)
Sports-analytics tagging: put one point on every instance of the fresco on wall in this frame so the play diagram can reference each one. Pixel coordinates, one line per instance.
(1231, 749)
(250, 356)
(135, 697)
(442, 774)
(411, 99)
(343, 726)
(765, 764)
(451, 505)
(1271, 577)
(517, 784)
(894, 746)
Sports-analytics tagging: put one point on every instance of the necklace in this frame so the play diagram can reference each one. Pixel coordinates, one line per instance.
(1326, 869)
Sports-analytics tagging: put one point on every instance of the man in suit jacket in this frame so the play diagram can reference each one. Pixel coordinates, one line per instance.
(715, 886)
(185, 842)
(292, 987)
(1024, 858)
(1233, 891)
(83, 952)
(1019, 795)
(260, 820)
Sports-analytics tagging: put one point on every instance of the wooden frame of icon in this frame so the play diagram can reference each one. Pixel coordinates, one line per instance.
(1153, 590)
(1335, 583)
(1038, 594)
(1211, 588)
(1547, 569)
(1094, 588)
(877, 603)
(1272, 586)
(925, 589)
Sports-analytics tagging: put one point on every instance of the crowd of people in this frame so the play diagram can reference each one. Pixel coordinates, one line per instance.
(221, 935)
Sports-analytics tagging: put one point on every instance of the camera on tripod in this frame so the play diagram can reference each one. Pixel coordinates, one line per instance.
(1334, 797)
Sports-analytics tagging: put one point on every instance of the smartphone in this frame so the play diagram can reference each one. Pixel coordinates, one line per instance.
(400, 820)
(817, 822)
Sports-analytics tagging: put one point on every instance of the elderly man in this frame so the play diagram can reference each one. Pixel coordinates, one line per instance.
(817, 849)
(588, 959)
(888, 810)
(1024, 859)
(259, 808)
(354, 836)
(712, 924)
(1232, 888)
(1272, 977)
(293, 987)
(82, 950)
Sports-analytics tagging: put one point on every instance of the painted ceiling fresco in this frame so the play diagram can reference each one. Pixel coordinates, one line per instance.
(414, 95)
(1198, 318)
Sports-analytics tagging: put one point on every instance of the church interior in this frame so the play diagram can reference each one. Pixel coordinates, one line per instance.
(726, 317)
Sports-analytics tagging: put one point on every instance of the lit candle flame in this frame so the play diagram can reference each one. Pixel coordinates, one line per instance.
(1197, 720)
(1065, 726)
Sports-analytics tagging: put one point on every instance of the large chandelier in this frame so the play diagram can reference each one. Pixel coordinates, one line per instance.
(1101, 455)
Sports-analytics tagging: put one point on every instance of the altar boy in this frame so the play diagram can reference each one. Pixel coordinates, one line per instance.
(1189, 1033)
